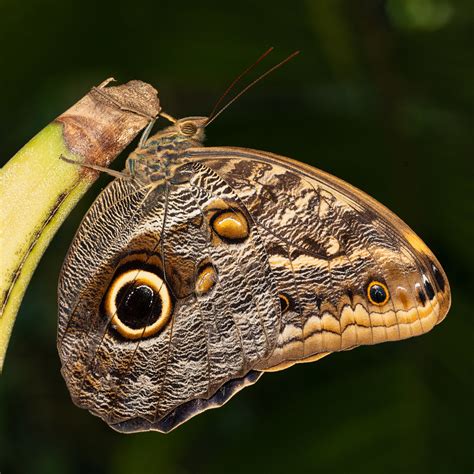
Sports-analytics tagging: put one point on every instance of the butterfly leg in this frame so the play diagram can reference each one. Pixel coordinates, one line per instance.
(102, 169)
(146, 133)
(131, 165)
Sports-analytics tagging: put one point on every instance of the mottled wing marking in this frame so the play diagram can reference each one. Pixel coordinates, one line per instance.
(95, 379)
(325, 241)
(260, 287)
(211, 339)
(299, 235)
(128, 206)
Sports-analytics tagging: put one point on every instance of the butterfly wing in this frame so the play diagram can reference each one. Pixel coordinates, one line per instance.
(347, 270)
(160, 316)
(175, 296)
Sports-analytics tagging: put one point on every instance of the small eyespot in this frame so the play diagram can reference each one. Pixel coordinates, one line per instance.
(188, 128)
(377, 293)
(231, 225)
(206, 279)
(138, 303)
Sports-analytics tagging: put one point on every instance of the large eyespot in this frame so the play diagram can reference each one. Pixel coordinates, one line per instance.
(231, 225)
(188, 128)
(138, 303)
(377, 293)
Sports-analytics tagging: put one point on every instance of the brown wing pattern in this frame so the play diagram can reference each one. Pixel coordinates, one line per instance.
(224, 313)
(327, 242)
(178, 291)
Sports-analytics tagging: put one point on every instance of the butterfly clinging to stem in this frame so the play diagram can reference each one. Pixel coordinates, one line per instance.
(199, 268)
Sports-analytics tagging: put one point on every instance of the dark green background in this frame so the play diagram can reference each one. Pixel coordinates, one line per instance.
(382, 96)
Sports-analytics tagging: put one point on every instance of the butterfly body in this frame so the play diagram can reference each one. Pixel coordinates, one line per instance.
(208, 266)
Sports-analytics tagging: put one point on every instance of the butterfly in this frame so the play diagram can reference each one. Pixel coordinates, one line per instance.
(201, 268)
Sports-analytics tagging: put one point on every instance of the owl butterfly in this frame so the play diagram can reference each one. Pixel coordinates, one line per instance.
(202, 268)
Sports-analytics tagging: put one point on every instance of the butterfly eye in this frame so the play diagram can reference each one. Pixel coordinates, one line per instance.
(377, 293)
(138, 304)
(188, 128)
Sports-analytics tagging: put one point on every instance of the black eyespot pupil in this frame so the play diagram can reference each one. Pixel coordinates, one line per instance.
(377, 294)
(138, 305)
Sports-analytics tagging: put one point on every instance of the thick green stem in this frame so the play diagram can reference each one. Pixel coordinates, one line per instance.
(38, 189)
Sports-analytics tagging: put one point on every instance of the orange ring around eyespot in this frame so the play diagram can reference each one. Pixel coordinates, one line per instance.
(387, 293)
(150, 279)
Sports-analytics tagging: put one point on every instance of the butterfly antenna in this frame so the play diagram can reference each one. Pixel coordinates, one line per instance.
(167, 117)
(237, 79)
(213, 116)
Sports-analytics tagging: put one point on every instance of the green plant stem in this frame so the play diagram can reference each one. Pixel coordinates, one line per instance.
(39, 189)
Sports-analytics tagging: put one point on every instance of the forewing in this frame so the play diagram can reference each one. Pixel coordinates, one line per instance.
(328, 243)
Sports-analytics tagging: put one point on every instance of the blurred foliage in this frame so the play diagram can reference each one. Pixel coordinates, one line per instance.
(382, 96)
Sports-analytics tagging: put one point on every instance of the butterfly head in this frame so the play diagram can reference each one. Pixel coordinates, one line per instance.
(188, 131)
